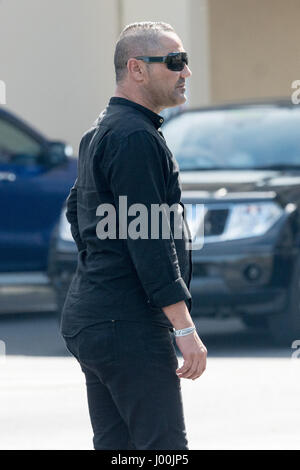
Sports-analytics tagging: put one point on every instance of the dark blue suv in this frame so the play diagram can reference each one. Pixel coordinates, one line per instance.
(35, 178)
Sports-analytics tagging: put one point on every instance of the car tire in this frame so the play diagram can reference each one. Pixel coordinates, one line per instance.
(285, 325)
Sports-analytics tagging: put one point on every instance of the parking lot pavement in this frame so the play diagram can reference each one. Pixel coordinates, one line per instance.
(239, 403)
(248, 398)
(43, 404)
(243, 403)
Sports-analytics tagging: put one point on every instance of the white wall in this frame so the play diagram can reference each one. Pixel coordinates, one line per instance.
(56, 58)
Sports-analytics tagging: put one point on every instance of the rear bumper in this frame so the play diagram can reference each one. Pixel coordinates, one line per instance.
(27, 292)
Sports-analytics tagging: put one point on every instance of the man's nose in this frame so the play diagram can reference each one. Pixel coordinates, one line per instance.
(186, 72)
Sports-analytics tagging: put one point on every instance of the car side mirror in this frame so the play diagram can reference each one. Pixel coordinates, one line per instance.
(57, 153)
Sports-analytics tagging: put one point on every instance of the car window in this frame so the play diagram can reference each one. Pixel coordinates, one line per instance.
(235, 138)
(16, 146)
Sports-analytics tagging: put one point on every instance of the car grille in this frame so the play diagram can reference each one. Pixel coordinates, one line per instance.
(214, 222)
(214, 216)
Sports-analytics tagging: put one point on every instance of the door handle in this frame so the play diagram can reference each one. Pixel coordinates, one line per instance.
(7, 176)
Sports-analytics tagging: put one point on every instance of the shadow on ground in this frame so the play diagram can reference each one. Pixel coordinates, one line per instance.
(38, 335)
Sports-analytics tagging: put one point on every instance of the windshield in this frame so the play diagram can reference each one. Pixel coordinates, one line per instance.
(257, 137)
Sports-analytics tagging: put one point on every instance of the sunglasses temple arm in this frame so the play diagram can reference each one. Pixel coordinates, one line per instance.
(157, 59)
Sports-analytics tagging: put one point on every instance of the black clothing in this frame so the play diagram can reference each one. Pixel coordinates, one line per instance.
(112, 320)
(124, 154)
(134, 394)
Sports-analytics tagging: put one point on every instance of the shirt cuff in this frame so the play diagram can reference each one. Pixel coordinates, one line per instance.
(171, 294)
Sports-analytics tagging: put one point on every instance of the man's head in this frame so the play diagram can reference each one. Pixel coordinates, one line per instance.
(153, 83)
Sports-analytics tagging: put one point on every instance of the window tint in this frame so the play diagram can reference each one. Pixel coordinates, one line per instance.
(16, 146)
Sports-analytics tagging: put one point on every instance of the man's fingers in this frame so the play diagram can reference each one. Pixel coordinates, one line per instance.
(188, 369)
(200, 371)
(185, 367)
(191, 370)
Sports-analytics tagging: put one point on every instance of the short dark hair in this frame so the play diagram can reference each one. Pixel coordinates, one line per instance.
(141, 38)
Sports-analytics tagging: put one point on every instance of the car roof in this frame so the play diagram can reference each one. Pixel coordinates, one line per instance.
(13, 118)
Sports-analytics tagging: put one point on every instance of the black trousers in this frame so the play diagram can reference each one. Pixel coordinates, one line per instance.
(133, 392)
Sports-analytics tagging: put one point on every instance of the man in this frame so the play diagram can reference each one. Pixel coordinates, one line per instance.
(128, 293)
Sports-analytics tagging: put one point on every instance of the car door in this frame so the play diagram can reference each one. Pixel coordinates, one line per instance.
(30, 199)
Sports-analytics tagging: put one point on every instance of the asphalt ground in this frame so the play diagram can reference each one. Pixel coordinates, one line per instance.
(248, 397)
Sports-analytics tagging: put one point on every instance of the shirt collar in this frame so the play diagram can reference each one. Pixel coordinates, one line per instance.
(155, 118)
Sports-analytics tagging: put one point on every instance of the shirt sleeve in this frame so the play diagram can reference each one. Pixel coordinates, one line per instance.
(71, 215)
(138, 169)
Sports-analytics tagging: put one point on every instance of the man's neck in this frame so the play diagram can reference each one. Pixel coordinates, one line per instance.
(137, 99)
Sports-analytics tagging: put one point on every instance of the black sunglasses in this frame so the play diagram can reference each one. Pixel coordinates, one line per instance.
(175, 61)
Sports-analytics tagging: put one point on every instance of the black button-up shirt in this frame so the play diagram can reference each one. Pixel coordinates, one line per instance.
(124, 154)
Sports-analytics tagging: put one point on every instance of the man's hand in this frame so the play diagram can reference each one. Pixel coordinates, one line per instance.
(194, 354)
(193, 350)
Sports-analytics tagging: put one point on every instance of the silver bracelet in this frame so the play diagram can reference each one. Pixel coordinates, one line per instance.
(184, 331)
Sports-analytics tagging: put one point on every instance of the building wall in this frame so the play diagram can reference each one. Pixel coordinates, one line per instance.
(200, 51)
(56, 58)
(255, 48)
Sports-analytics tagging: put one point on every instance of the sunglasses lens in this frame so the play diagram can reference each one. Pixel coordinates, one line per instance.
(177, 62)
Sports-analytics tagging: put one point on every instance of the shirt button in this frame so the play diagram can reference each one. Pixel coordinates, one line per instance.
(161, 121)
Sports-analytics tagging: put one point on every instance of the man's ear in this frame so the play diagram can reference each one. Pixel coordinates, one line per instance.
(136, 69)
